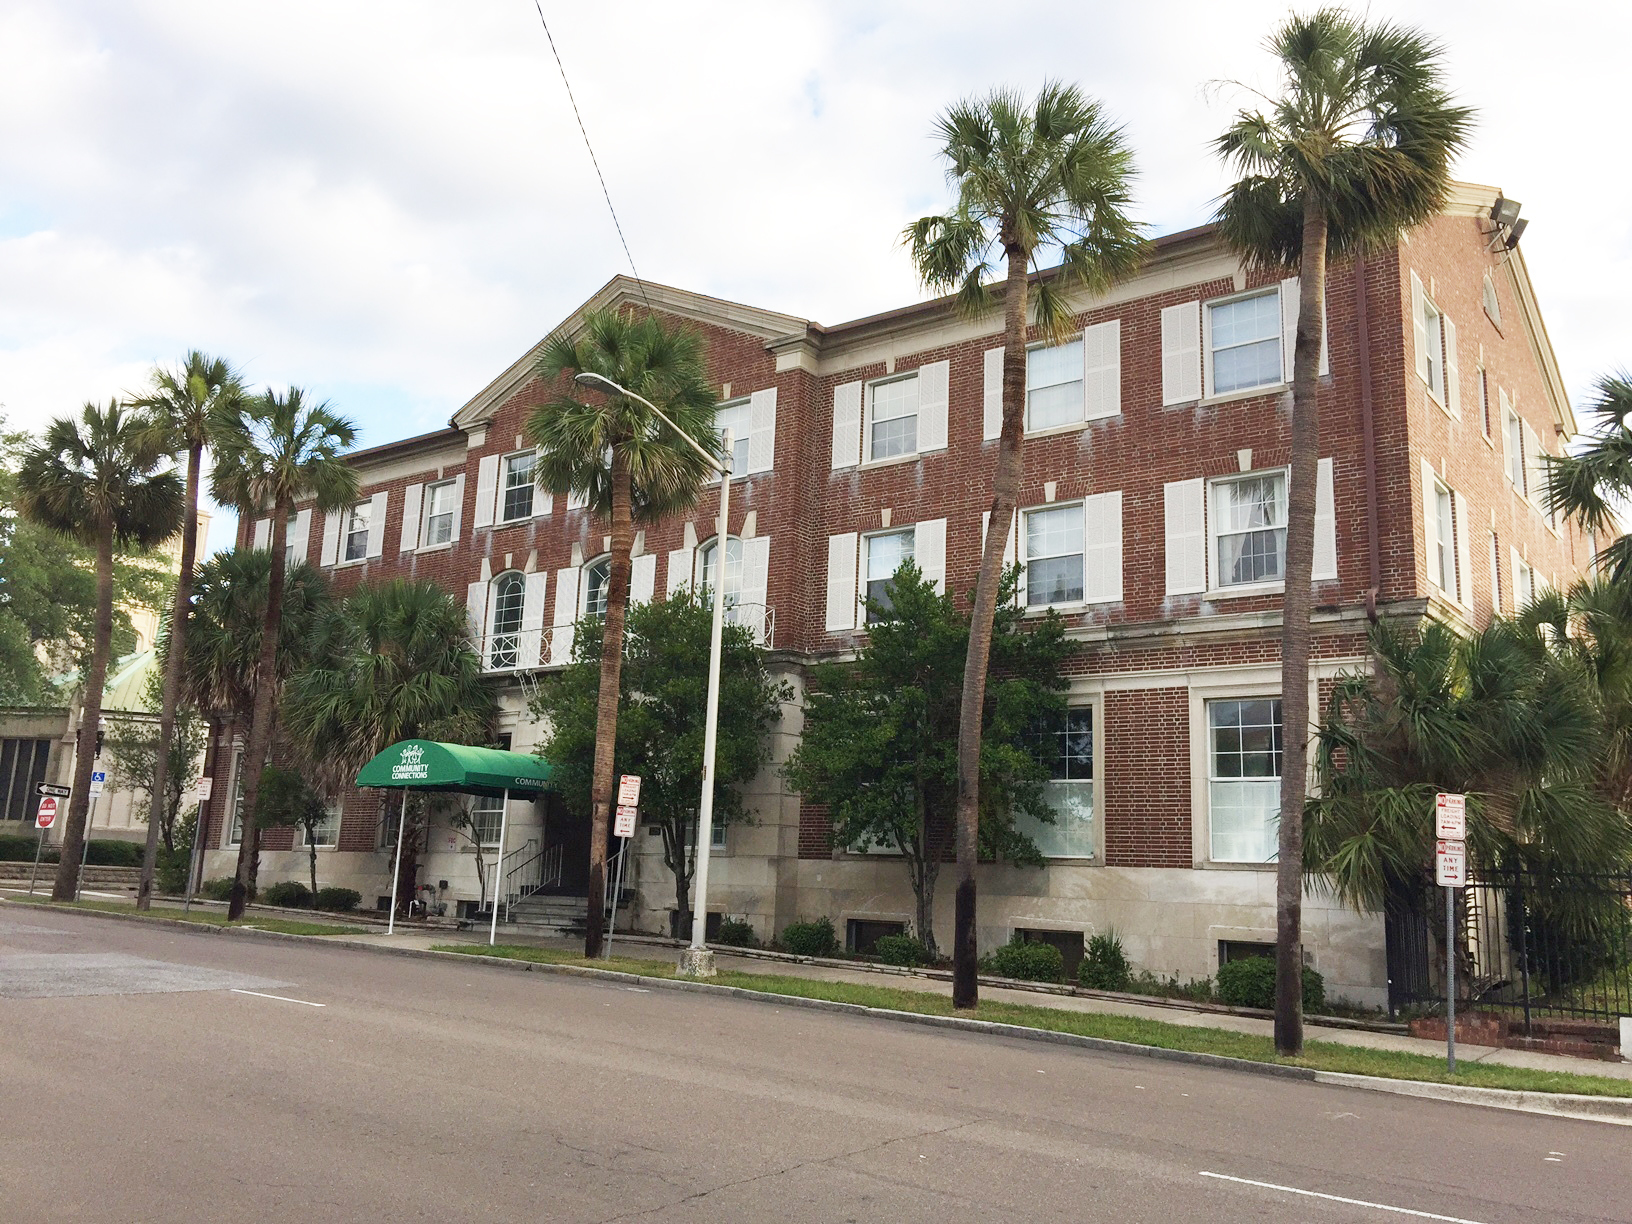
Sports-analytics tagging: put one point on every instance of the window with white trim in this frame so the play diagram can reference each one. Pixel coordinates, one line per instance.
(716, 835)
(1514, 429)
(354, 545)
(1054, 385)
(1244, 342)
(733, 570)
(736, 416)
(440, 504)
(486, 818)
(1443, 562)
(325, 833)
(516, 486)
(509, 600)
(1243, 779)
(892, 419)
(597, 581)
(885, 552)
(1524, 584)
(235, 807)
(1053, 539)
(1067, 751)
(1432, 326)
(1248, 529)
(289, 557)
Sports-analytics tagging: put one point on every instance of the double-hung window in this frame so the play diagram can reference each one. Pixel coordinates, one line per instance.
(1244, 338)
(1514, 429)
(516, 488)
(892, 427)
(355, 546)
(1054, 386)
(733, 571)
(1248, 525)
(1443, 562)
(885, 553)
(324, 833)
(486, 818)
(439, 508)
(1244, 778)
(1524, 582)
(289, 541)
(597, 579)
(735, 417)
(1067, 752)
(504, 639)
(1433, 331)
(1054, 554)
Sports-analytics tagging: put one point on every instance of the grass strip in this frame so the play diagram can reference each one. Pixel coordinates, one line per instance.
(1136, 1030)
(282, 926)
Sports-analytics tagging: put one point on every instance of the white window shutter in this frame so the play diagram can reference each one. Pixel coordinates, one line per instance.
(577, 500)
(1181, 353)
(929, 550)
(379, 505)
(1102, 547)
(1419, 326)
(1185, 528)
(992, 393)
(1291, 288)
(761, 431)
(680, 563)
(934, 394)
(331, 537)
(263, 535)
(476, 614)
(1453, 370)
(566, 614)
(1102, 370)
(1513, 585)
(534, 588)
(847, 425)
(1464, 554)
(841, 582)
(543, 501)
(1011, 550)
(300, 534)
(458, 505)
(413, 498)
(756, 582)
(1430, 525)
(1532, 462)
(643, 578)
(487, 486)
(1325, 567)
(1507, 437)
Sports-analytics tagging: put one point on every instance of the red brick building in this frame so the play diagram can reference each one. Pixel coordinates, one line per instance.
(1153, 518)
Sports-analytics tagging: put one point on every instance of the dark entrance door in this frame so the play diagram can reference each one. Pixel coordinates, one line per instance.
(571, 833)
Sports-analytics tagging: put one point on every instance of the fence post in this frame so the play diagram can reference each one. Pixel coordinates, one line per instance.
(1524, 949)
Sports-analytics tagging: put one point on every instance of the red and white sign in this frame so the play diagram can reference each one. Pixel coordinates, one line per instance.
(47, 815)
(628, 790)
(1451, 864)
(202, 787)
(1450, 817)
(623, 824)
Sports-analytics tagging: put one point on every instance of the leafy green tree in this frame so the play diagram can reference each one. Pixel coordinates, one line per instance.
(100, 481)
(630, 468)
(135, 746)
(1355, 147)
(179, 407)
(1051, 181)
(879, 748)
(391, 661)
(287, 800)
(660, 732)
(1592, 486)
(272, 451)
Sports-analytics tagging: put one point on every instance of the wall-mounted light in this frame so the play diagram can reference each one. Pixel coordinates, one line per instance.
(1514, 234)
(1505, 211)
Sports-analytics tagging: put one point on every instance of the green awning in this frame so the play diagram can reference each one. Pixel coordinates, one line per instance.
(428, 765)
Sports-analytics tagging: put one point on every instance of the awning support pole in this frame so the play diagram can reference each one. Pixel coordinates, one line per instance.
(498, 870)
(396, 870)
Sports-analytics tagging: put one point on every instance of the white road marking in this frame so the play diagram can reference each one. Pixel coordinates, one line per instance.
(1336, 1198)
(279, 998)
(636, 990)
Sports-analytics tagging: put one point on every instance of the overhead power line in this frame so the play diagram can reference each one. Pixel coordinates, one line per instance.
(594, 161)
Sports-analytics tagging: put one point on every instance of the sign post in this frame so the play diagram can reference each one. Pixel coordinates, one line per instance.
(1451, 873)
(623, 828)
(43, 819)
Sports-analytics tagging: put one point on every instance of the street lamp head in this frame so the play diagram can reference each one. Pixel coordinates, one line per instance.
(588, 378)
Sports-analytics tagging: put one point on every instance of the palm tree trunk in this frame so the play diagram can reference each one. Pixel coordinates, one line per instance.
(972, 709)
(606, 709)
(179, 609)
(261, 718)
(90, 718)
(1295, 634)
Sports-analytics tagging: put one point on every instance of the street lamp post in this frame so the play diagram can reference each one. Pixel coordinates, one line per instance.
(697, 960)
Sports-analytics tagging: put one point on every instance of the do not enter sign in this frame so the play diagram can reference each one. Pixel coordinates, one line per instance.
(47, 815)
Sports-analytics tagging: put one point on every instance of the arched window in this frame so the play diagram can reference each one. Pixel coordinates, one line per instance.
(597, 578)
(504, 635)
(733, 569)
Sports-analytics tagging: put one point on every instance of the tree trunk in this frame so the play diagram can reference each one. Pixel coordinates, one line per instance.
(972, 709)
(311, 854)
(606, 710)
(1295, 634)
(682, 901)
(262, 718)
(90, 717)
(180, 608)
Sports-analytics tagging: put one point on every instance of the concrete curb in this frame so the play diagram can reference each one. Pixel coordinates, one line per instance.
(1614, 1110)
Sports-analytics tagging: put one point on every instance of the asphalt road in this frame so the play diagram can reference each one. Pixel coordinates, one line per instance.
(206, 1087)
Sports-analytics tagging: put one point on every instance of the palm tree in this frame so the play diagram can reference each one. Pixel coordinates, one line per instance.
(629, 468)
(1356, 147)
(100, 480)
(1587, 486)
(393, 661)
(178, 408)
(271, 452)
(1049, 181)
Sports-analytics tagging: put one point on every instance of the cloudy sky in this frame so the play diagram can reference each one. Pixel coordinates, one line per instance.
(386, 203)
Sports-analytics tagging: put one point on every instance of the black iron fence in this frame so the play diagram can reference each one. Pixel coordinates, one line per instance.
(1528, 945)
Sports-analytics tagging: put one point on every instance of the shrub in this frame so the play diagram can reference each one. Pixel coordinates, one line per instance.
(1029, 962)
(218, 889)
(736, 933)
(1104, 964)
(1250, 982)
(810, 938)
(104, 852)
(291, 893)
(173, 864)
(903, 949)
(341, 899)
(16, 848)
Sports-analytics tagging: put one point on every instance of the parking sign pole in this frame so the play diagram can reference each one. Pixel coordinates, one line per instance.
(1450, 978)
